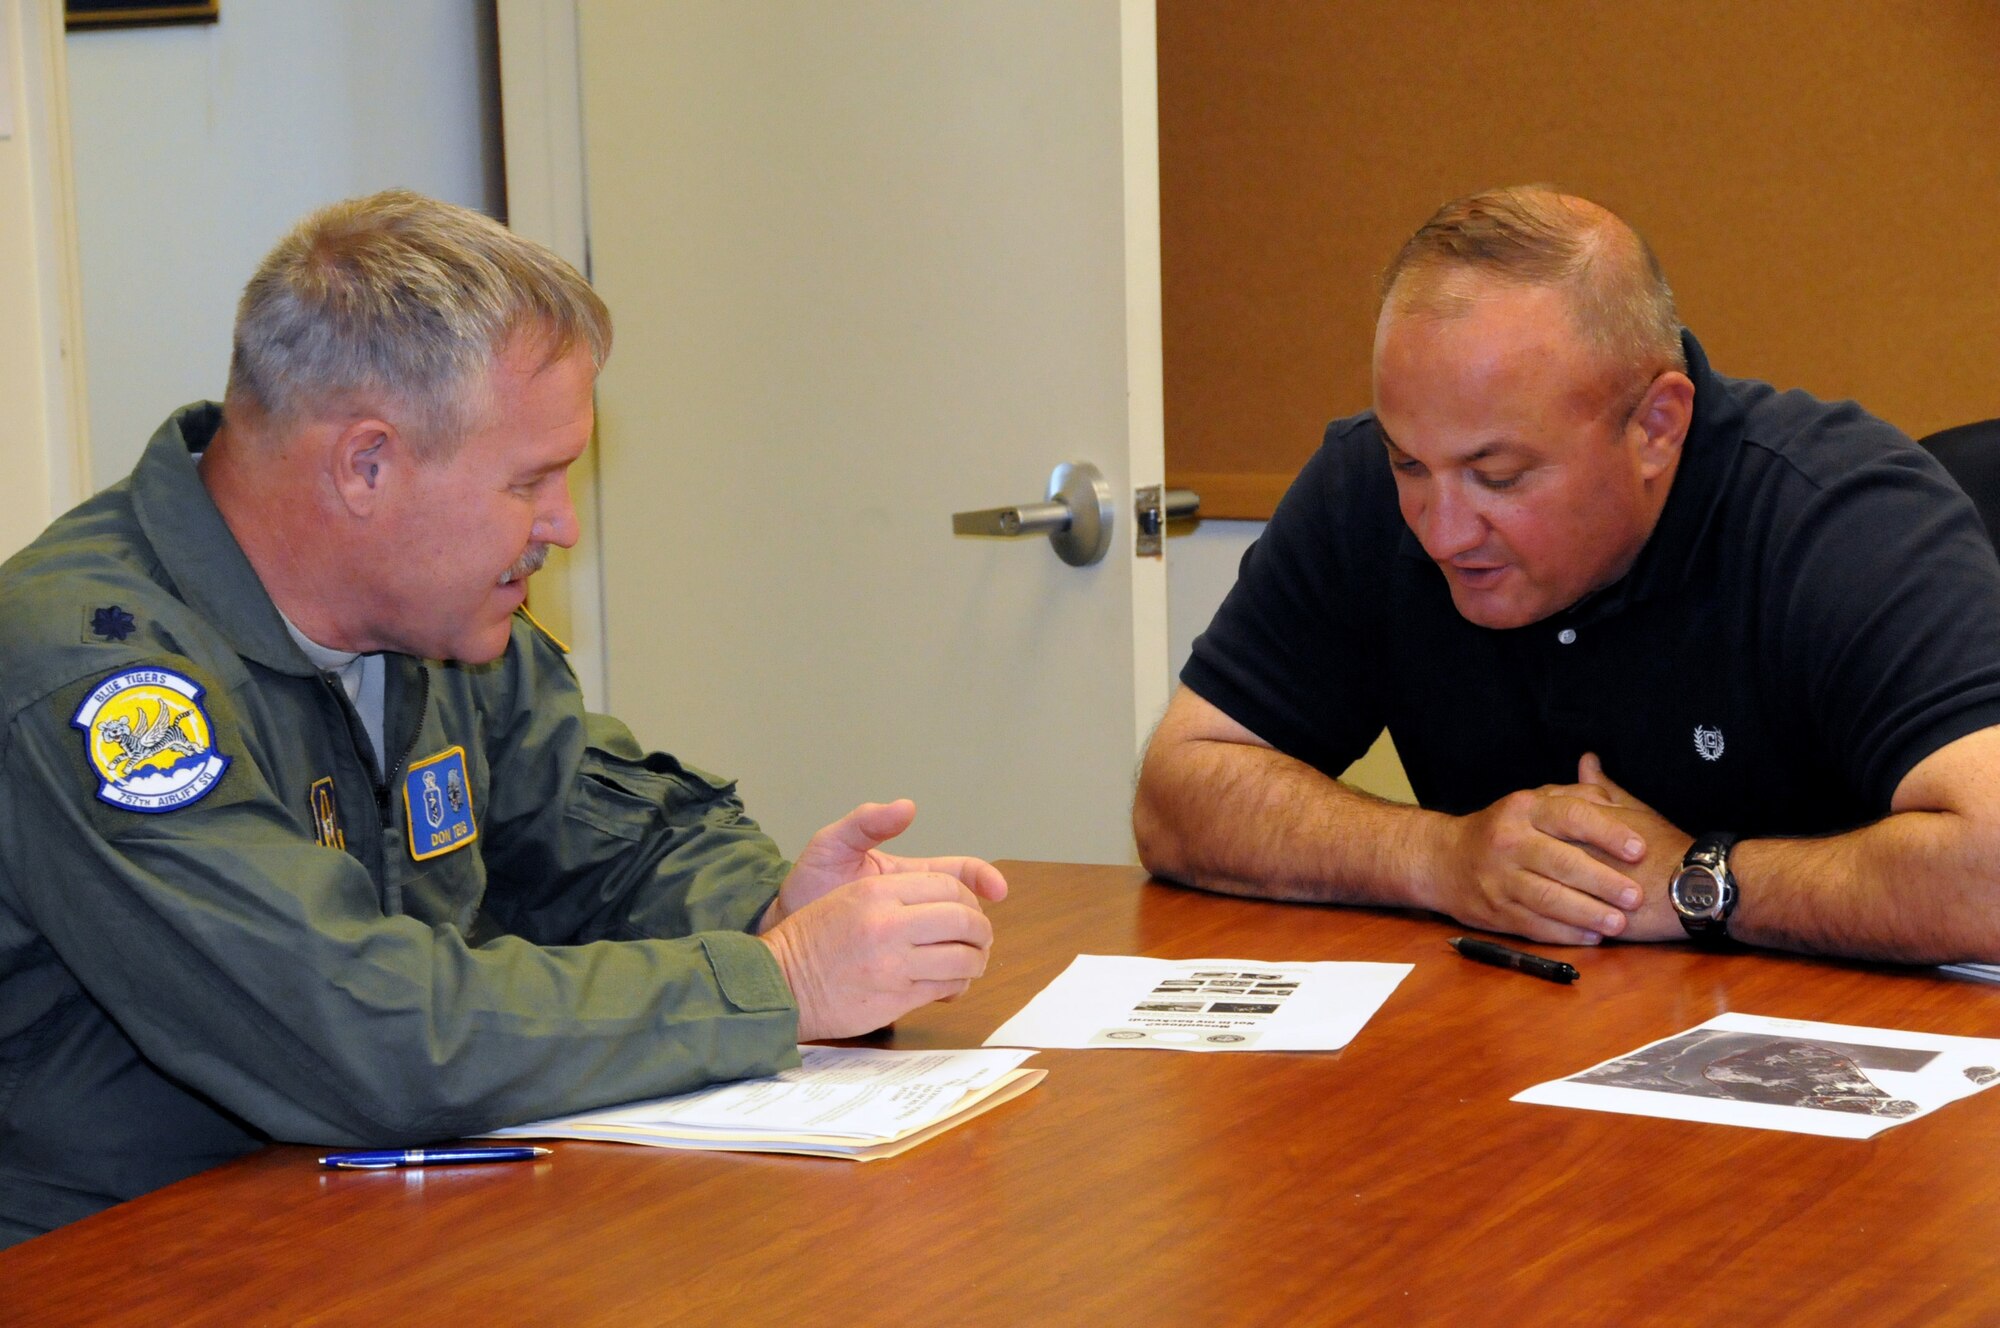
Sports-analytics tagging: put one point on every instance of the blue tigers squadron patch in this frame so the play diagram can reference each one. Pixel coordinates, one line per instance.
(437, 805)
(149, 741)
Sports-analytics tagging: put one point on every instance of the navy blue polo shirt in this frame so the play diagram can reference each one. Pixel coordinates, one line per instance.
(1817, 610)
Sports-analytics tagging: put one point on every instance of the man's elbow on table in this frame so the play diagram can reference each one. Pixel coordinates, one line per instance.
(1960, 782)
(1160, 850)
(1163, 822)
(1203, 802)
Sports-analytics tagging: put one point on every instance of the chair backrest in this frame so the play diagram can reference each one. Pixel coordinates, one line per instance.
(1971, 452)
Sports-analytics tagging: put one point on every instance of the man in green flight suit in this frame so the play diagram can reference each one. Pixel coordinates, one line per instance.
(305, 833)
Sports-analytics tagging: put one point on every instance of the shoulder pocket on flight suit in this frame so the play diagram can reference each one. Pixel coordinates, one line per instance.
(626, 798)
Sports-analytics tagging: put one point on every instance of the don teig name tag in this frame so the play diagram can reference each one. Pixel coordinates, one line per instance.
(437, 804)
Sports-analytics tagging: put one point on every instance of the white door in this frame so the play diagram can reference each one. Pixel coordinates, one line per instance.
(873, 262)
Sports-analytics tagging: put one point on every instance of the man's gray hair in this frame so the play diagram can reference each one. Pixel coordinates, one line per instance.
(398, 301)
(1531, 235)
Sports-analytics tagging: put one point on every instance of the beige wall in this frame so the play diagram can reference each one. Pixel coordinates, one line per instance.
(1820, 182)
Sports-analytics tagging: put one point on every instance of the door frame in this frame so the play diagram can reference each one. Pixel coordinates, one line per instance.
(1145, 371)
(541, 101)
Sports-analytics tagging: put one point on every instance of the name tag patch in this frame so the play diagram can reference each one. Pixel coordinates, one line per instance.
(437, 805)
(149, 740)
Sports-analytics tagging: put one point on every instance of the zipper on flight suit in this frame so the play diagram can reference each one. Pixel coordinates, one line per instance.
(379, 778)
(357, 734)
(389, 771)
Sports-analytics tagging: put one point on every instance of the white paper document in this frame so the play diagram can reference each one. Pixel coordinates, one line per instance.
(841, 1101)
(1202, 1005)
(1784, 1074)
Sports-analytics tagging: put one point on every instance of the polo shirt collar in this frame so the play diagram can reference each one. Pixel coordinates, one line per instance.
(194, 544)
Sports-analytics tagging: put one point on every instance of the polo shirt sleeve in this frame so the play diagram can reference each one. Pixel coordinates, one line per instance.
(1291, 654)
(1886, 604)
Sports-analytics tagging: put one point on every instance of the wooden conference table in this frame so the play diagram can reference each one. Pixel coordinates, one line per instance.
(1392, 1182)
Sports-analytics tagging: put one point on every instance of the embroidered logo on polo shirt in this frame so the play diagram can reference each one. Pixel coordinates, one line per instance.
(437, 805)
(1708, 742)
(326, 815)
(149, 740)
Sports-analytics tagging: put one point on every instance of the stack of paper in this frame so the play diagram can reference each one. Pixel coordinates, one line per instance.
(851, 1102)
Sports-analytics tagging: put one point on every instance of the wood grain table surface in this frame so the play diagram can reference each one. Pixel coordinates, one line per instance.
(1392, 1182)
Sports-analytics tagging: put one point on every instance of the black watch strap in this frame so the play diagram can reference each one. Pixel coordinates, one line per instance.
(1704, 890)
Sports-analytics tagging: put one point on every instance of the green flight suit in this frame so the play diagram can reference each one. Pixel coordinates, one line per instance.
(272, 952)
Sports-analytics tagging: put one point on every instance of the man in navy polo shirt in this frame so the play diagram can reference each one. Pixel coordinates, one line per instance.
(1665, 653)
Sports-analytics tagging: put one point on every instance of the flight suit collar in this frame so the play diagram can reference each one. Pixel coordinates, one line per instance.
(194, 544)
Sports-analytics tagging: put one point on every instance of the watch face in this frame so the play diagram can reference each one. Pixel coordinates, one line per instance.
(1696, 890)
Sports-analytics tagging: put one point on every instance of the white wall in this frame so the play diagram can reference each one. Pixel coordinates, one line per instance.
(1201, 567)
(40, 376)
(196, 147)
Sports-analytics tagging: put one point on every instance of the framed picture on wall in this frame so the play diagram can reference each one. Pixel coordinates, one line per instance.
(136, 13)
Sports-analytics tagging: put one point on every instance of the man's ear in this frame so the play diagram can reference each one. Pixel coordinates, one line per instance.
(1662, 418)
(367, 456)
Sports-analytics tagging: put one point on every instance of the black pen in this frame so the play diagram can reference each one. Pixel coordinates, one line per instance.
(1486, 952)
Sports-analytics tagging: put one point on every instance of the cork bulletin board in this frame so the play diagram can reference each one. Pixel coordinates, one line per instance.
(1821, 180)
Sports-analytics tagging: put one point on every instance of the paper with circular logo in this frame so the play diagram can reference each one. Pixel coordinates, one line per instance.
(1202, 1005)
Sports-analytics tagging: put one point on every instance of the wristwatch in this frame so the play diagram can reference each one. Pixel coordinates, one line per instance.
(1703, 891)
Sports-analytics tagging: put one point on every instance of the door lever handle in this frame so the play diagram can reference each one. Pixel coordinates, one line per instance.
(1076, 517)
(1006, 522)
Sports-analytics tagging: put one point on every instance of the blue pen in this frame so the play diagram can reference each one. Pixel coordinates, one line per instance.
(428, 1157)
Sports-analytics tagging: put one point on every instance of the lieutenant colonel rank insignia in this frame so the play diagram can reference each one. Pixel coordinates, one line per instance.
(437, 805)
(149, 740)
(112, 623)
